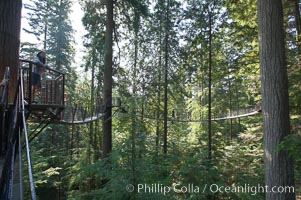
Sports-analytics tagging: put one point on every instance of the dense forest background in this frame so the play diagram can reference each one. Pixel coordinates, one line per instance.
(176, 64)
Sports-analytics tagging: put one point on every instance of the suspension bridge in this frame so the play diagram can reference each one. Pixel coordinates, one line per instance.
(53, 107)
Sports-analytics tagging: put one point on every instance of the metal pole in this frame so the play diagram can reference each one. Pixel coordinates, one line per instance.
(20, 166)
(29, 166)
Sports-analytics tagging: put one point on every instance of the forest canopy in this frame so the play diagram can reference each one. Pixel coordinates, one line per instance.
(193, 107)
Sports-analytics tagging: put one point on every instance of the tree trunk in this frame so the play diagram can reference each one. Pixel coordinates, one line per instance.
(134, 107)
(107, 120)
(297, 21)
(166, 80)
(71, 142)
(91, 125)
(238, 108)
(230, 106)
(47, 7)
(10, 24)
(158, 104)
(279, 169)
(209, 91)
(158, 109)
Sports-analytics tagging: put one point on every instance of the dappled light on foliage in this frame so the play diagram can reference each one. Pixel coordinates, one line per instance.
(178, 84)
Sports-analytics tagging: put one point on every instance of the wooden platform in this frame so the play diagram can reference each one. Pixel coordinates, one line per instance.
(43, 113)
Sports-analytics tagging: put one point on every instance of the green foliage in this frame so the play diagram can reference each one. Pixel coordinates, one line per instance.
(69, 158)
(292, 144)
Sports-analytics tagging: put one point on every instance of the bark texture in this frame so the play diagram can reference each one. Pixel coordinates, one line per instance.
(107, 120)
(10, 25)
(274, 86)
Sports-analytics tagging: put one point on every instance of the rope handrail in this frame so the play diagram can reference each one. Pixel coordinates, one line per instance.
(250, 113)
(84, 121)
(79, 114)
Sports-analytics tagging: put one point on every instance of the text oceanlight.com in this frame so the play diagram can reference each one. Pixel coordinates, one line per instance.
(159, 188)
